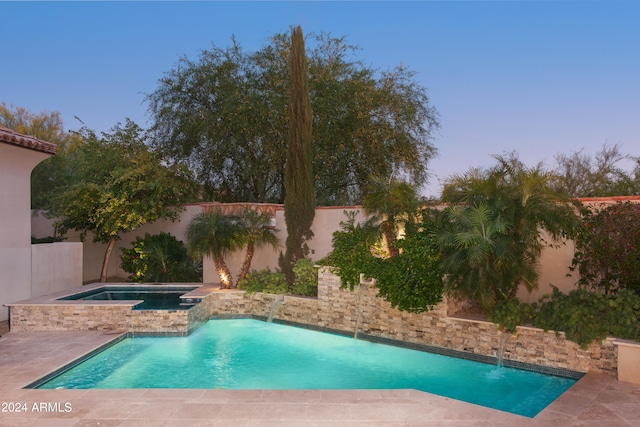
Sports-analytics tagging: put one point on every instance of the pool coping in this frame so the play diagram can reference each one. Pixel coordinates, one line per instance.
(595, 398)
(55, 298)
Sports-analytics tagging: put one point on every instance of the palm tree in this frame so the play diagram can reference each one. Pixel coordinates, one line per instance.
(493, 233)
(255, 231)
(167, 260)
(214, 234)
(393, 203)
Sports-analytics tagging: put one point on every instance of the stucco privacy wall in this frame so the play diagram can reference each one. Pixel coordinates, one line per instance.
(93, 253)
(18, 156)
(326, 221)
(55, 266)
(553, 267)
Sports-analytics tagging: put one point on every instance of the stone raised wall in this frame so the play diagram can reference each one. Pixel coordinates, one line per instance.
(336, 309)
(51, 313)
(341, 309)
(28, 318)
(76, 317)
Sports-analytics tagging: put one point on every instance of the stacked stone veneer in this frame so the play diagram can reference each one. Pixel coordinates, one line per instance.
(77, 317)
(336, 309)
(341, 310)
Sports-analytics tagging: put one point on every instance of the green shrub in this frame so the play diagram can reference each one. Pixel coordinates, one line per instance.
(511, 313)
(306, 278)
(264, 281)
(608, 247)
(586, 316)
(411, 281)
(159, 258)
(351, 254)
(49, 239)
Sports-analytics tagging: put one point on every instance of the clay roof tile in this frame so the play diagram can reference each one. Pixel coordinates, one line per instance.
(9, 136)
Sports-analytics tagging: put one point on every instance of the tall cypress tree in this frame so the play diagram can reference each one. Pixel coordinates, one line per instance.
(299, 201)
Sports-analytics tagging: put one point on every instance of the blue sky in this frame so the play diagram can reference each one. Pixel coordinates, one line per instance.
(538, 77)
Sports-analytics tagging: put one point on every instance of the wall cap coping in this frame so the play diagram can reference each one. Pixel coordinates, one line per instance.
(626, 343)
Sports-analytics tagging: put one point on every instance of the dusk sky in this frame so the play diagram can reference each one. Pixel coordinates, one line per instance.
(538, 77)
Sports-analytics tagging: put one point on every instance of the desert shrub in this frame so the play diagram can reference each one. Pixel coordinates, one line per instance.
(306, 280)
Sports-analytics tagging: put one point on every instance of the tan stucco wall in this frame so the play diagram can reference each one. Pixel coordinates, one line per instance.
(55, 267)
(628, 361)
(16, 164)
(326, 221)
(93, 253)
(553, 268)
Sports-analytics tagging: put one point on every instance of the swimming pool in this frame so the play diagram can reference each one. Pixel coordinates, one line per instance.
(153, 297)
(251, 354)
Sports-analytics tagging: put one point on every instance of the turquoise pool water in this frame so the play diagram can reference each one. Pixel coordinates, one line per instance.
(250, 354)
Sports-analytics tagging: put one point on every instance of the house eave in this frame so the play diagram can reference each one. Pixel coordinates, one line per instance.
(11, 137)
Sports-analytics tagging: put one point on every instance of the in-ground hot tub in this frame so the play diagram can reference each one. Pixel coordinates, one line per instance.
(152, 297)
(149, 309)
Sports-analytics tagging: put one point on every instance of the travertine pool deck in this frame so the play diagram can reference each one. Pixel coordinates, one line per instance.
(597, 400)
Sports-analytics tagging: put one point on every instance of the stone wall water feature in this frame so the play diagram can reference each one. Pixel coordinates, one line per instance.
(335, 309)
(342, 310)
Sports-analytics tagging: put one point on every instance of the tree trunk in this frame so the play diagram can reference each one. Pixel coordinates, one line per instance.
(390, 237)
(105, 261)
(223, 271)
(247, 262)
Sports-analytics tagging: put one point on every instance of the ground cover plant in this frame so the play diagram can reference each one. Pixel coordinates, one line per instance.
(584, 316)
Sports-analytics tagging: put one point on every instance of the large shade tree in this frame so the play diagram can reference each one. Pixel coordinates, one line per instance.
(579, 174)
(495, 228)
(224, 114)
(114, 185)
